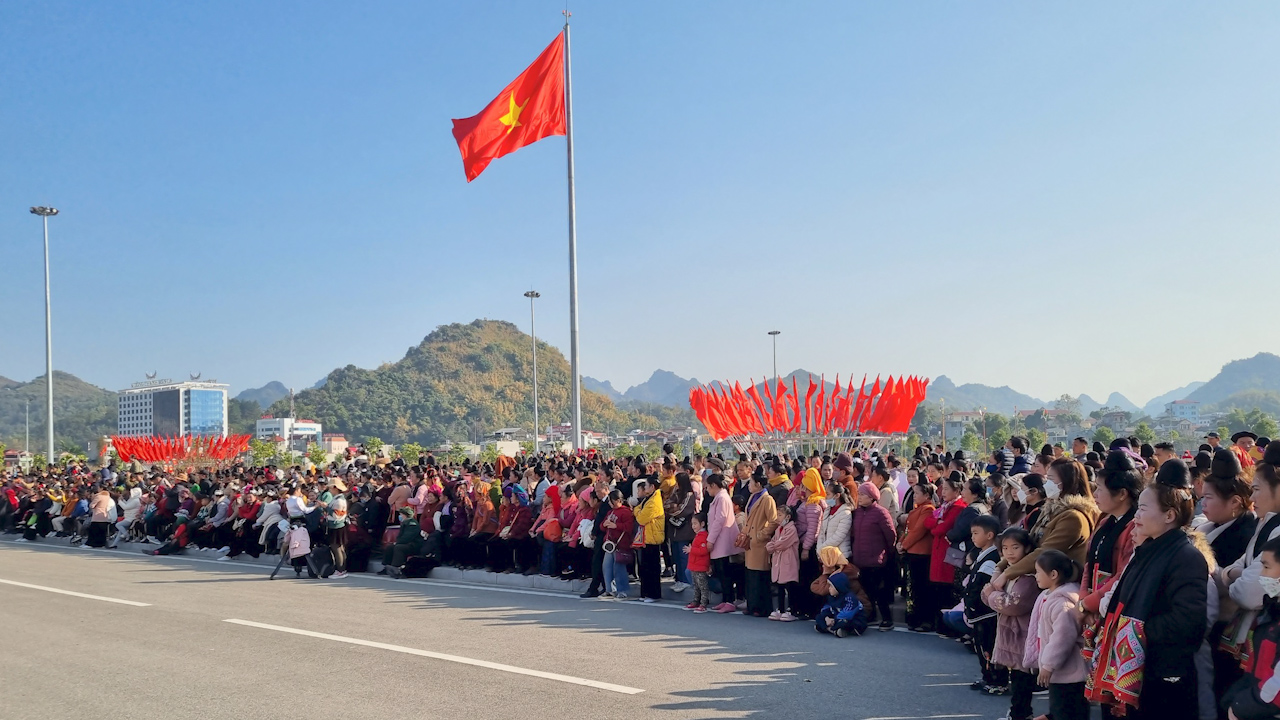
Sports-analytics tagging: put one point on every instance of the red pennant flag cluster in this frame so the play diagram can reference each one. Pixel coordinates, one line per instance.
(168, 449)
(882, 409)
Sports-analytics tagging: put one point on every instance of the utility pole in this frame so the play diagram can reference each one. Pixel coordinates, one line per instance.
(45, 213)
(774, 334)
(533, 333)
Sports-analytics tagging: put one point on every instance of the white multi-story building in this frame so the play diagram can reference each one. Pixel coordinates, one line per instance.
(165, 407)
(297, 434)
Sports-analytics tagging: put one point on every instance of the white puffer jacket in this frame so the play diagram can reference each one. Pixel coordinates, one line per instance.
(836, 529)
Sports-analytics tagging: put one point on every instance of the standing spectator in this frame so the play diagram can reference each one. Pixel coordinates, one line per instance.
(1013, 607)
(680, 508)
(722, 537)
(699, 565)
(651, 521)
(809, 516)
(942, 564)
(336, 523)
(1053, 641)
(761, 519)
(1159, 603)
(916, 547)
(619, 529)
(873, 550)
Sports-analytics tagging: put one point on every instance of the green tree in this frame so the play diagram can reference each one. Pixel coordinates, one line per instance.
(412, 452)
(261, 451)
(3, 448)
(970, 442)
(1036, 438)
(913, 442)
(489, 454)
(373, 444)
(1104, 435)
(316, 454)
(39, 462)
(1266, 426)
(1144, 433)
(1224, 431)
(1068, 403)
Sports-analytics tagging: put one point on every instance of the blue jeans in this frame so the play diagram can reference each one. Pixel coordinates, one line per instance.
(682, 562)
(548, 565)
(615, 574)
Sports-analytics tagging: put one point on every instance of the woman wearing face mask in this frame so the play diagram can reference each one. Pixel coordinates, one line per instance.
(1065, 524)
(1032, 499)
(1242, 594)
(836, 525)
(1156, 613)
(809, 516)
(1253, 697)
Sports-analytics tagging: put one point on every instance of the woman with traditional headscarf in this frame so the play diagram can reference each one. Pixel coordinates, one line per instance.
(808, 521)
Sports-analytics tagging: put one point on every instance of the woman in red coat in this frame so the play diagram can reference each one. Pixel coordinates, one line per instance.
(941, 574)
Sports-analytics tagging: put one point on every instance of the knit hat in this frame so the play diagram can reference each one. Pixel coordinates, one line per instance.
(839, 582)
(1174, 473)
(1225, 464)
(870, 491)
(844, 461)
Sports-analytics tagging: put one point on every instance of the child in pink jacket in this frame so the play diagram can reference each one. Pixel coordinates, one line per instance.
(785, 565)
(1054, 640)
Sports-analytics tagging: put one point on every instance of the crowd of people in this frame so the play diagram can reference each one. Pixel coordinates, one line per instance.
(1122, 577)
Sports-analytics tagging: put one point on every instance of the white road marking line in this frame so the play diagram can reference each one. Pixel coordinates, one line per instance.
(959, 684)
(941, 675)
(447, 658)
(921, 717)
(76, 594)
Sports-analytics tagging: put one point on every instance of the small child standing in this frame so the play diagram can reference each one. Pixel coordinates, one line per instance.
(699, 565)
(977, 614)
(785, 565)
(1054, 641)
(1013, 607)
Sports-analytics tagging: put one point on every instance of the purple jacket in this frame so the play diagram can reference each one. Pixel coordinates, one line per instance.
(873, 536)
(722, 529)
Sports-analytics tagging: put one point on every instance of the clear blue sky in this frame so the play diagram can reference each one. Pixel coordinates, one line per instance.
(932, 188)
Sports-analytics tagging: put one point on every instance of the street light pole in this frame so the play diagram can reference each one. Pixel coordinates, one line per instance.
(534, 295)
(774, 334)
(45, 213)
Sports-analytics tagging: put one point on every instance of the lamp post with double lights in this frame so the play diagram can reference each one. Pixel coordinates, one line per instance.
(45, 213)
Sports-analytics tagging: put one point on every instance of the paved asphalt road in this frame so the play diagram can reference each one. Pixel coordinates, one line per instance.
(370, 647)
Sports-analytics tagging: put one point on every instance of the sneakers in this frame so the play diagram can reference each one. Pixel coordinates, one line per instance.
(740, 605)
(725, 607)
(335, 576)
(620, 596)
(692, 606)
(679, 586)
(886, 625)
(588, 595)
(700, 609)
(977, 685)
(22, 540)
(605, 596)
(650, 601)
(785, 617)
(995, 690)
(775, 615)
(224, 557)
(224, 549)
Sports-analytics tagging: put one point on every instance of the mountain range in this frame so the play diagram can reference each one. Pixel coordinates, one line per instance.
(467, 376)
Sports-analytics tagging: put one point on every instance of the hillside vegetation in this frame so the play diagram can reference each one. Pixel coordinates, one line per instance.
(464, 378)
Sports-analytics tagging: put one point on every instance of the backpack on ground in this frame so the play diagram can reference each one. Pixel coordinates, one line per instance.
(419, 566)
(320, 561)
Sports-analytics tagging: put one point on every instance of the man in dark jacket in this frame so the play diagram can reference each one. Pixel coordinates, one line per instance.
(408, 543)
(1021, 458)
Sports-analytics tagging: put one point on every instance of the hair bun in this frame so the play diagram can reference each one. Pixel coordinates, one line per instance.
(1271, 455)
(1204, 461)
(1225, 464)
(1118, 462)
(1174, 473)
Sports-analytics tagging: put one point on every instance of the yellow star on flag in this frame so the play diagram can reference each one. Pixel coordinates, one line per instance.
(512, 118)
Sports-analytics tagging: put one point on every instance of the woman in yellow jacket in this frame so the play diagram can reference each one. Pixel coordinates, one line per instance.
(652, 521)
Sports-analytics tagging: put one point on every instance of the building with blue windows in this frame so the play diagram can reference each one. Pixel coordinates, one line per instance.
(165, 407)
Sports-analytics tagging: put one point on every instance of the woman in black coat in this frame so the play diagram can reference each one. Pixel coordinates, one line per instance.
(1160, 604)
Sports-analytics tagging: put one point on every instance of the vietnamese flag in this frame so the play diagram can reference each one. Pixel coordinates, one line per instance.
(527, 110)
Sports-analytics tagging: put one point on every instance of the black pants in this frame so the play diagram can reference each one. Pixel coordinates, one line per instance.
(97, 536)
(1066, 702)
(919, 608)
(1161, 700)
(1021, 687)
(806, 603)
(338, 545)
(726, 573)
(787, 591)
(942, 596)
(984, 636)
(758, 585)
(597, 568)
(878, 582)
(651, 572)
(395, 555)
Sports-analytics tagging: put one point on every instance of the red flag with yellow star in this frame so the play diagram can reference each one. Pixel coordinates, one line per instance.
(527, 110)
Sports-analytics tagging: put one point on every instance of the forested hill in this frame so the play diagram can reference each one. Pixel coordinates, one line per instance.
(83, 412)
(460, 378)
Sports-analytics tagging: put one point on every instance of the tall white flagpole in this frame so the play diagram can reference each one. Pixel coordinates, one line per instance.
(576, 419)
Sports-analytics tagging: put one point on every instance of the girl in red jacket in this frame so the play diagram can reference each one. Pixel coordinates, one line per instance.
(699, 565)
